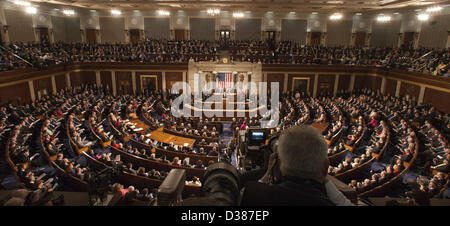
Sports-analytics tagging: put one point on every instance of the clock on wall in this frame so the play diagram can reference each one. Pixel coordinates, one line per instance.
(225, 60)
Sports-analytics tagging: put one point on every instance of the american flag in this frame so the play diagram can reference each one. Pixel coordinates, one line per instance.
(225, 80)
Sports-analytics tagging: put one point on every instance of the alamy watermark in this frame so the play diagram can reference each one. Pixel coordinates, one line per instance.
(208, 101)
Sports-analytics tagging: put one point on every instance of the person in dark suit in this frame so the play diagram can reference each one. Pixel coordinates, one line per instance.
(296, 173)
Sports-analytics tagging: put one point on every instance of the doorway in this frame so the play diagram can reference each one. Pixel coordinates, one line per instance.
(225, 35)
(408, 39)
(43, 35)
(179, 35)
(316, 38)
(271, 36)
(360, 39)
(91, 36)
(135, 36)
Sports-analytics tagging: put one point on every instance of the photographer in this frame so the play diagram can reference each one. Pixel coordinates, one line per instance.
(296, 173)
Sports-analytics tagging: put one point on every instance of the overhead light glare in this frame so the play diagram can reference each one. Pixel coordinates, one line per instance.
(336, 16)
(163, 13)
(434, 9)
(383, 18)
(116, 12)
(68, 12)
(423, 17)
(22, 3)
(213, 11)
(238, 15)
(31, 10)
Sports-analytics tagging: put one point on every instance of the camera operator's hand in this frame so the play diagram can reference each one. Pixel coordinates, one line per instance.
(273, 173)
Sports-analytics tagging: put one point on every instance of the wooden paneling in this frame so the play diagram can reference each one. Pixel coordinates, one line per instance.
(179, 35)
(325, 84)
(409, 89)
(172, 78)
(105, 77)
(344, 81)
(124, 82)
(391, 85)
(18, 93)
(437, 98)
(91, 36)
(275, 78)
(41, 84)
(360, 39)
(368, 82)
(60, 81)
(82, 78)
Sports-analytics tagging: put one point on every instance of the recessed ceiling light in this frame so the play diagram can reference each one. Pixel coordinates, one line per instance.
(31, 10)
(68, 12)
(434, 9)
(22, 3)
(314, 13)
(358, 14)
(163, 13)
(383, 18)
(423, 17)
(116, 12)
(336, 16)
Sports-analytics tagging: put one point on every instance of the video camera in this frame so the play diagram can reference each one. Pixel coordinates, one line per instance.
(222, 182)
(256, 147)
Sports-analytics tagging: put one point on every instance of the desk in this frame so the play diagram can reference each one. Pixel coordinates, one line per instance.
(140, 124)
(161, 136)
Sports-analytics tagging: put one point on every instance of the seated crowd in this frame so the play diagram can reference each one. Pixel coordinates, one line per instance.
(436, 61)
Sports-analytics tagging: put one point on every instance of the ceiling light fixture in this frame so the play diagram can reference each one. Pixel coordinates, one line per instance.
(68, 12)
(238, 15)
(22, 3)
(31, 10)
(423, 17)
(163, 13)
(434, 9)
(116, 12)
(336, 16)
(213, 11)
(383, 18)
